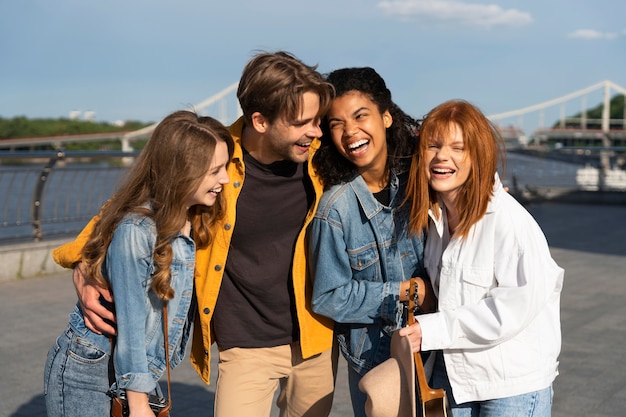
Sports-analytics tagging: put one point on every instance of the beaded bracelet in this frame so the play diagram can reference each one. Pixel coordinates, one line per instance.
(413, 295)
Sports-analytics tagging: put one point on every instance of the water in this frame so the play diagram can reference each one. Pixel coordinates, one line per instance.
(533, 171)
(74, 194)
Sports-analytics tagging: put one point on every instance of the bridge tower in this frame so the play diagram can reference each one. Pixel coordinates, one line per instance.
(200, 108)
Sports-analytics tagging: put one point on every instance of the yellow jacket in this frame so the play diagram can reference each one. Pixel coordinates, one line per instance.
(316, 334)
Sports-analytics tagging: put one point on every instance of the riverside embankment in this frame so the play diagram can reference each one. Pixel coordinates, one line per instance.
(588, 241)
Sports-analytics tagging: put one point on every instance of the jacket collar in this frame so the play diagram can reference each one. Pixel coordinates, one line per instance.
(366, 199)
(496, 196)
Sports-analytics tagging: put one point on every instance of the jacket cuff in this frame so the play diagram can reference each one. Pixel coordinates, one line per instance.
(140, 382)
(435, 334)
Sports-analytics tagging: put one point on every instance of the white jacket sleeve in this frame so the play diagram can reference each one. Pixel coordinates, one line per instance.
(492, 285)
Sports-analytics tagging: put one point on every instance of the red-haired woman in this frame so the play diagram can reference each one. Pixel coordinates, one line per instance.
(497, 328)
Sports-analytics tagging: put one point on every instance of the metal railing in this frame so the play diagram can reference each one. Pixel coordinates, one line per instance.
(55, 193)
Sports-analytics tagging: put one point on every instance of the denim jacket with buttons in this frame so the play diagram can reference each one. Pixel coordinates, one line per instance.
(360, 251)
(139, 354)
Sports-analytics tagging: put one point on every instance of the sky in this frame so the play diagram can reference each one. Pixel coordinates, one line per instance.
(142, 59)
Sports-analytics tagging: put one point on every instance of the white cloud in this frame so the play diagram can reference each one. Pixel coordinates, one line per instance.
(484, 15)
(591, 34)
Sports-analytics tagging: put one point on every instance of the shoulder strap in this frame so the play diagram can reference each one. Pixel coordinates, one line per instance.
(167, 355)
(167, 352)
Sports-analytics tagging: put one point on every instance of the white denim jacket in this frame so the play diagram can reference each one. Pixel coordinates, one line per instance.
(499, 295)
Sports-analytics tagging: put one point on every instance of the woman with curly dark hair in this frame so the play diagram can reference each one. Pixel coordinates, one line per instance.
(400, 136)
(362, 253)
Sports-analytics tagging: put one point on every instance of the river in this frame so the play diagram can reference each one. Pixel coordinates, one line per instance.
(73, 194)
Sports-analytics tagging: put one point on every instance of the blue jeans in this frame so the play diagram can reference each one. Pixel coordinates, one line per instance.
(76, 378)
(531, 404)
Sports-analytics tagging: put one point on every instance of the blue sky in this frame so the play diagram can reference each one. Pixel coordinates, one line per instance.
(141, 59)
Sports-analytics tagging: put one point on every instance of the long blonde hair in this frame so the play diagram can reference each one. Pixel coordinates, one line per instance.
(168, 170)
(484, 147)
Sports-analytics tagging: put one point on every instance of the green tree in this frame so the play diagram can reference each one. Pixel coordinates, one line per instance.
(617, 113)
(22, 127)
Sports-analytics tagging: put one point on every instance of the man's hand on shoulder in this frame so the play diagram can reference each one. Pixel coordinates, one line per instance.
(98, 318)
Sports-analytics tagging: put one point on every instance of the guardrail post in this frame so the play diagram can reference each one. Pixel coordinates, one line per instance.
(35, 212)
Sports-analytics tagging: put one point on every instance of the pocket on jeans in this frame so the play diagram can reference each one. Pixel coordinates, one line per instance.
(87, 366)
(82, 350)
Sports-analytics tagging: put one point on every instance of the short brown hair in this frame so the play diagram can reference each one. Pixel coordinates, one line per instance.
(273, 84)
(484, 147)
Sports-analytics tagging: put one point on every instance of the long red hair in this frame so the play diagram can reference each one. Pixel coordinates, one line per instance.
(483, 145)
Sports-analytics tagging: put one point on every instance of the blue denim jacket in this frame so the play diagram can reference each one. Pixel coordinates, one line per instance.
(359, 252)
(139, 354)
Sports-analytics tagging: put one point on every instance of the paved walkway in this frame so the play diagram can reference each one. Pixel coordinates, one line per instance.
(588, 241)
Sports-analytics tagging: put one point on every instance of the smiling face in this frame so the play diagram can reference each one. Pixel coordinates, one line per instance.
(215, 177)
(448, 162)
(291, 140)
(358, 130)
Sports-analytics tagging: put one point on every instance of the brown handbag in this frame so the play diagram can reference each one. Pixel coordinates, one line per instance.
(433, 402)
(159, 405)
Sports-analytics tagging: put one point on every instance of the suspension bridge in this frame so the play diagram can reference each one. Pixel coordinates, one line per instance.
(564, 130)
(592, 153)
(569, 130)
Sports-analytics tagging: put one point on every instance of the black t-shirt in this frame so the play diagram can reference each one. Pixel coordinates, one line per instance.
(255, 306)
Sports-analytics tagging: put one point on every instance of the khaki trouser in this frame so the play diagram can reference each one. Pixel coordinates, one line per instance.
(248, 378)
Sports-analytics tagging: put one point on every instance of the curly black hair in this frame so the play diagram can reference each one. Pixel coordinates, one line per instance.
(329, 164)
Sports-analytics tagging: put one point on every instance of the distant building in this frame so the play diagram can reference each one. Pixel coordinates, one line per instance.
(514, 137)
(579, 137)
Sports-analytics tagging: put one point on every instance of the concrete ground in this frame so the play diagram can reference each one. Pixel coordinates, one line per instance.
(588, 241)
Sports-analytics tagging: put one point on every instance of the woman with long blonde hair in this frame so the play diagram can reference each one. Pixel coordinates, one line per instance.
(143, 249)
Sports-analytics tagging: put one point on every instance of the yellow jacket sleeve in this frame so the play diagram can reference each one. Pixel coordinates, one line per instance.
(67, 255)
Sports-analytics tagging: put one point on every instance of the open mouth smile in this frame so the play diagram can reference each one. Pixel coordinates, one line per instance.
(304, 145)
(358, 146)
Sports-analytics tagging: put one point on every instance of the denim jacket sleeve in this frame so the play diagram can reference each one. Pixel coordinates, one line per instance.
(128, 267)
(348, 284)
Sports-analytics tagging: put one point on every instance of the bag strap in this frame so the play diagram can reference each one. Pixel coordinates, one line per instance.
(167, 352)
(167, 355)
(426, 392)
